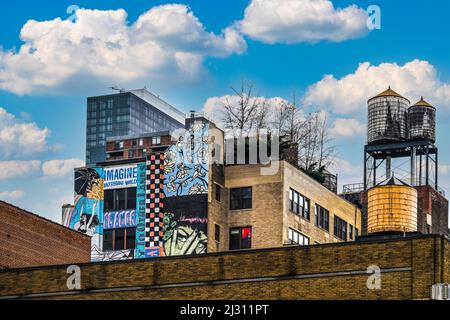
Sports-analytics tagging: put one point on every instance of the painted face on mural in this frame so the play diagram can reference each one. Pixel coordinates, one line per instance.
(89, 183)
(185, 241)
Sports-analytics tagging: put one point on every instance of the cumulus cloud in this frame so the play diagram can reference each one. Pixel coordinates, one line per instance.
(20, 139)
(12, 195)
(294, 21)
(350, 93)
(168, 41)
(347, 128)
(18, 169)
(60, 168)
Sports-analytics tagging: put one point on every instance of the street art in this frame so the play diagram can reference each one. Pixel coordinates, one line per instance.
(185, 226)
(176, 180)
(88, 208)
(101, 256)
(186, 163)
(119, 219)
(121, 177)
(154, 206)
(139, 252)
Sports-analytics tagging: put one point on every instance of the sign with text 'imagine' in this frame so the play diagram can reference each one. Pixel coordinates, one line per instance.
(121, 177)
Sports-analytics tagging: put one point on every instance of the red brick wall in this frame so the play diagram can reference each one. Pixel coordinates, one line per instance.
(28, 240)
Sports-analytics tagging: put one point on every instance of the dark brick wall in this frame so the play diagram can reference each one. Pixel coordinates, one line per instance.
(28, 240)
(410, 266)
(432, 202)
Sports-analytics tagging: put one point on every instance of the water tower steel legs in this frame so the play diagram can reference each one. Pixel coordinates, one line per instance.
(413, 166)
(388, 167)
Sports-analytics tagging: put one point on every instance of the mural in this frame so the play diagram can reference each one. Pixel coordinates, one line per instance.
(119, 219)
(140, 211)
(121, 177)
(113, 255)
(175, 181)
(86, 216)
(185, 225)
(186, 163)
(154, 206)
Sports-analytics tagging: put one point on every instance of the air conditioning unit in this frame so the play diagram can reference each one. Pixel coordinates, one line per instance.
(440, 291)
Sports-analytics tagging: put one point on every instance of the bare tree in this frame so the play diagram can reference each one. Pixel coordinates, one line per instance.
(243, 114)
(316, 149)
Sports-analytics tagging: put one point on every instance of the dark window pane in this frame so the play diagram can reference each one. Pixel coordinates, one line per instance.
(120, 239)
(109, 200)
(131, 199)
(217, 233)
(131, 239)
(241, 198)
(120, 199)
(235, 235)
(108, 240)
(218, 192)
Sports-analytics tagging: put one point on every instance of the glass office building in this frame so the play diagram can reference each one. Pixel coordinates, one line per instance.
(127, 113)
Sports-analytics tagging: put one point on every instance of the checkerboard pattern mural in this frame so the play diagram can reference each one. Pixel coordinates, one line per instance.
(154, 206)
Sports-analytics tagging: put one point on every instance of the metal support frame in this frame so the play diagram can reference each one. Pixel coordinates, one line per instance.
(416, 150)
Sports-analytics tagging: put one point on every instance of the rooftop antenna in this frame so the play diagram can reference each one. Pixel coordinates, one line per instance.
(115, 88)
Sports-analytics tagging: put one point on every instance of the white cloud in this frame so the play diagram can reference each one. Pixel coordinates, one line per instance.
(166, 42)
(20, 139)
(60, 168)
(294, 21)
(444, 169)
(12, 195)
(349, 94)
(18, 169)
(347, 128)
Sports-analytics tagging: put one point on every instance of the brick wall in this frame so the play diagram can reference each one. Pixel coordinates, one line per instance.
(409, 268)
(29, 240)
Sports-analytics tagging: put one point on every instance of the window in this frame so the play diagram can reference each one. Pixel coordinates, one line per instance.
(356, 232)
(119, 239)
(156, 140)
(241, 198)
(120, 199)
(296, 237)
(350, 231)
(218, 192)
(340, 228)
(119, 145)
(322, 217)
(299, 204)
(240, 238)
(217, 232)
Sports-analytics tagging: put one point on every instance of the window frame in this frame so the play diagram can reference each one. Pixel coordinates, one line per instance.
(340, 228)
(241, 231)
(299, 204)
(320, 213)
(306, 240)
(113, 234)
(241, 199)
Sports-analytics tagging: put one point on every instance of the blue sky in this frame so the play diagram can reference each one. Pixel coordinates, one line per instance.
(186, 56)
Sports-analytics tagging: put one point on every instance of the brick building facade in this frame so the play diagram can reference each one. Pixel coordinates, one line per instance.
(28, 240)
(408, 266)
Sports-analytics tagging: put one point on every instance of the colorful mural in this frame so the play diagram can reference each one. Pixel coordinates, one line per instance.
(86, 216)
(119, 219)
(154, 206)
(140, 211)
(177, 197)
(186, 163)
(114, 255)
(185, 225)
